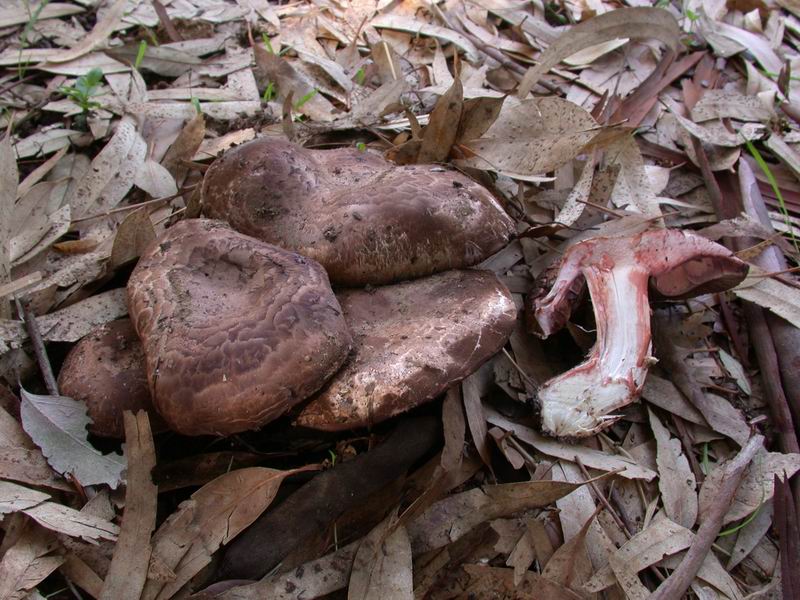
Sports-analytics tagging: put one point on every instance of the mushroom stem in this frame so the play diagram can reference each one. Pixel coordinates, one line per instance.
(618, 272)
(577, 401)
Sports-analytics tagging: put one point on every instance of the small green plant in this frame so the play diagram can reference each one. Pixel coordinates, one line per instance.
(691, 15)
(83, 92)
(269, 93)
(362, 147)
(140, 54)
(360, 76)
(776, 190)
(305, 98)
(196, 103)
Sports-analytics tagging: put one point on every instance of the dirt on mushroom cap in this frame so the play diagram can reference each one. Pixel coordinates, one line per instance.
(235, 331)
(364, 219)
(413, 340)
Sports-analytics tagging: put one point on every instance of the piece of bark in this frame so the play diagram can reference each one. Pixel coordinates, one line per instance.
(323, 499)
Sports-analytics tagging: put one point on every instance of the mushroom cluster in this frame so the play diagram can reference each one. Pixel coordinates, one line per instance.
(235, 319)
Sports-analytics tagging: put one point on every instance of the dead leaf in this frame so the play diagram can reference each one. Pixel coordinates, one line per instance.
(102, 29)
(57, 425)
(382, 565)
(756, 487)
(154, 179)
(419, 27)
(185, 146)
(213, 516)
(28, 562)
(128, 570)
(632, 23)
(675, 478)
(489, 582)
(133, 235)
(772, 294)
(440, 133)
(532, 138)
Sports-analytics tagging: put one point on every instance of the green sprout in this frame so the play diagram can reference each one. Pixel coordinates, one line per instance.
(360, 76)
(269, 93)
(776, 190)
(362, 147)
(140, 54)
(305, 98)
(83, 92)
(196, 103)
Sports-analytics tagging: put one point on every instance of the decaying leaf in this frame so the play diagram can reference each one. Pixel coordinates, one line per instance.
(675, 478)
(532, 138)
(213, 516)
(382, 565)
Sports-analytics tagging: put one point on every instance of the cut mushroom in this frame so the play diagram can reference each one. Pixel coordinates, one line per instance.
(617, 271)
(235, 331)
(364, 219)
(106, 371)
(412, 341)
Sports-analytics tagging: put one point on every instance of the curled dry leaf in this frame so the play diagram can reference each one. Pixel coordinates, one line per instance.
(57, 425)
(440, 133)
(53, 516)
(133, 236)
(631, 23)
(531, 138)
(213, 516)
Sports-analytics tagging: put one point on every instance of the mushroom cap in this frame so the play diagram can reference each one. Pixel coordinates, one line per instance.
(681, 264)
(106, 370)
(366, 220)
(235, 331)
(412, 341)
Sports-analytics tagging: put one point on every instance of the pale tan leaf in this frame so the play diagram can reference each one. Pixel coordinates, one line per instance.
(633, 188)
(496, 582)
(440, 133)
(664, 394)
(128, 570)
(419, 27)
(632, 23)
(661, 538)
(757, 486)
(595, 459)
(722, 104)
(714, 132)
(27, 563)
(8, 193)
(576, 201)
(155, 179)
(214, 515)
(735, 370)
(774, 295)
(53, 516)
(22, 14)
(102, 29)
(382, 565)
(532, 138)
(184, 147)
(675, 477)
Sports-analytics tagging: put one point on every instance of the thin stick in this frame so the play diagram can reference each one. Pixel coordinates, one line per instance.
(678, 583)
(38, 347)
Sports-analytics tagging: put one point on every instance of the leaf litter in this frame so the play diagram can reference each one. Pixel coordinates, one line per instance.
(586, 119)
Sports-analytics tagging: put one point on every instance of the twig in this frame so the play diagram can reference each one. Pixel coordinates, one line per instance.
(681, 578)
(38, 347)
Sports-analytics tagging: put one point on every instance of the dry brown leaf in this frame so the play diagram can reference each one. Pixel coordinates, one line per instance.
(155, 179)
(128, 570)
(454, 430)
(28, 562)
(440, 133)
(772, 294)
(521, 556)
(213, 516)
(595, 459)
(722, 104)
(478, 116)
(476, 417)
(53, 516)
(632, 23)
(664, 394)
(532, 138)
(675, 477)
(8, 192)
(185, 146)
(419, 27)
(633, 188)
(450, 518)
(569, 565)
(133, 235)
(488, 582)
(102, 29)
(757, 486)
(382, 565)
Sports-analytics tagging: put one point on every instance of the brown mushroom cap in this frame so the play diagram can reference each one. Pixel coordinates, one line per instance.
(106, 371)
(235, 331)
(364, 219)
(412, 341)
